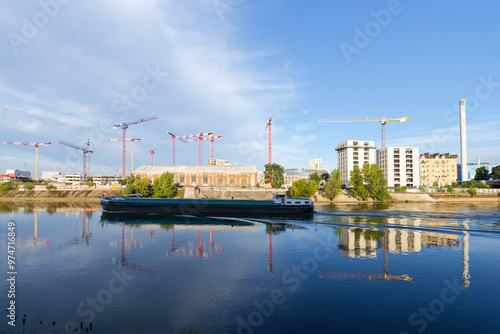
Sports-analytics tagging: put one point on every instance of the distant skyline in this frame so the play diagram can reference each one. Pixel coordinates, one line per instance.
(70, 70)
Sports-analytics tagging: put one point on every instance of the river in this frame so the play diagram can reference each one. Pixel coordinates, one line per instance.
(397, 268)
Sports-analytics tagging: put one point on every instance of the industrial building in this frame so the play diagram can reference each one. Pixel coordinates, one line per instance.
(204, 176)
(400, 166)
(354, 152)
(472, 168)
(436, 168)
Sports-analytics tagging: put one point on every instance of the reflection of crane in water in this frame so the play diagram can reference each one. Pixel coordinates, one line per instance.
(369, 276)
(85, 233)
(26, 242)
(123, 260)
(199, 249)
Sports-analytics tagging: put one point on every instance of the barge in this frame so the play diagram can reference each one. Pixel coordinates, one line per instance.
(137, 204)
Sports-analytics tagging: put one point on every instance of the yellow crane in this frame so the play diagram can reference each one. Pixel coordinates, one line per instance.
(381, 120)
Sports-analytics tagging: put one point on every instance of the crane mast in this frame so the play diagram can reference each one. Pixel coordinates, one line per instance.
(35, 145)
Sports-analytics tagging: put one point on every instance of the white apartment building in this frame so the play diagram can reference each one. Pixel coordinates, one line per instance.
(401, 166)
(317, 164)
(50, 176)
(354, 152)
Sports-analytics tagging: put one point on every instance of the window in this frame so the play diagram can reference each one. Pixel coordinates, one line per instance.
(220, 181)
(193, 180)
(181, 180)
(232, 180)
(244, 181)
(205, 180)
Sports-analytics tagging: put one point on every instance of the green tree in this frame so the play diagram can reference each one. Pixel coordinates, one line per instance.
(164, 186)
(356, 182)
(495, 173)
(144, 187)
(482, 185)
(472, 192)
(129, 189)
(315, 177)
(333, 186)
(302, 188)
(481, 174)
(274, 173)
(325, 176)
(29, 186)
(90, 182)
(380, 192)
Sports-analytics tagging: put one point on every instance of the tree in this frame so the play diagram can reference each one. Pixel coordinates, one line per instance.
(315, 177)
(29, 186)
(380, 192)
(302, 188)
(325, 176)
(274, 173)
(164, 186)
(481, 174)
(356, 182)
(144, 187)
(90, 182)
(333, 185)
(495, 173)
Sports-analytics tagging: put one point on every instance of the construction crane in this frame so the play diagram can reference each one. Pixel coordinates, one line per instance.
(381, 120)
(268, 126)
(152, 152)
(35, 145)
(174, 137)
(124, 127)
(132, 140)
(212, 138)
(197, 137)
(86, 155)
(117, 170)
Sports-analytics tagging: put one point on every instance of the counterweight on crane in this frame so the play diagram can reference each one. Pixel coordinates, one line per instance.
(124, 127)
(381, 120)
(152, 152)
(35, 145)
(86, 155)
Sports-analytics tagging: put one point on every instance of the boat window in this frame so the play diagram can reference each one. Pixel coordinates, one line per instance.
(288, 202)
(297, 202)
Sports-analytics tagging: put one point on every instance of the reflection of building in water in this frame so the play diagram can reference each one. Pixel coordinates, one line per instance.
(355, 242)
(361, 242)
(429, 239)
(194, 249)
(401, 240)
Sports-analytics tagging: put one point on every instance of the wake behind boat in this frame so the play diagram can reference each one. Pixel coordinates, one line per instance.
(138, 204)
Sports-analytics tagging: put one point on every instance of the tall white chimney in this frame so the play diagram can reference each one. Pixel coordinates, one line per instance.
(463, 142)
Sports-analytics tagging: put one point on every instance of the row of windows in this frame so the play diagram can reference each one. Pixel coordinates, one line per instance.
(219, 180)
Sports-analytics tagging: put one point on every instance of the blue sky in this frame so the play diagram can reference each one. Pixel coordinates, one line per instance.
(69, 70)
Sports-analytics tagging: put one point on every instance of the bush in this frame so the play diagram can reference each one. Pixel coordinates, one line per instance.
(449, 189)
(29, 186)
(472, 192)
(50, 187)
(180, 193)
(482, 185)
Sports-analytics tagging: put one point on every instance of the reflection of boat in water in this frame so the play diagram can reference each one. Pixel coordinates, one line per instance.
(138, 204)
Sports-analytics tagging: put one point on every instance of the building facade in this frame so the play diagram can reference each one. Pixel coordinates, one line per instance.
(400, 166)
(218, 162)
(438, 169)
(204, 176)
(472, 168)
(293, 174)
(18, 173)
(352, 153)
(50, 176)
(317, 164)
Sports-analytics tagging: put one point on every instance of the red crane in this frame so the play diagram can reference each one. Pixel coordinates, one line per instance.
(199, 138)
(152, 152)
(269, 140)
(212, 138)
(86, 155)
(174, 137)
(124, 127)
(35, 145)
(131, 149)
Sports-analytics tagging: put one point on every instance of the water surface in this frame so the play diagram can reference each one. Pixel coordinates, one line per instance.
(401, 268)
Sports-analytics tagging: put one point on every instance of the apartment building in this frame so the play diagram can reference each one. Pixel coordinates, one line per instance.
(400, 166)
(437, 168)
(317, 164)
(351, 153)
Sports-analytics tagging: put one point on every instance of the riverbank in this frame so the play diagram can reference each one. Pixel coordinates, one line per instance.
(260, 194)
(58, 195)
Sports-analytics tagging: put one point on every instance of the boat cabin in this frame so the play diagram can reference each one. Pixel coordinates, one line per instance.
(283, 200)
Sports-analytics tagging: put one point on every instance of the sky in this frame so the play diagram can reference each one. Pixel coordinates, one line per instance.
(71, 69)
